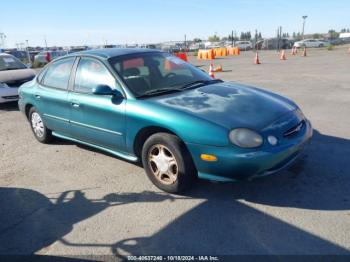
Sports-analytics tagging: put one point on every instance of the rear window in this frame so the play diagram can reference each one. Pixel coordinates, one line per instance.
(57, 74)
(8, 62)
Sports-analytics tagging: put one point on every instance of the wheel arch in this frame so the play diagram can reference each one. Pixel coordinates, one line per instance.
(27, 107)
(144, 133)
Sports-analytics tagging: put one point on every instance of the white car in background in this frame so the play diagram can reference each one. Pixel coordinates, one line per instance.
(244, 45)
(13, 73)
(310, 43)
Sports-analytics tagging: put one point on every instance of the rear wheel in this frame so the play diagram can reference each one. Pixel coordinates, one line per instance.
(167, 163)
(40, 131)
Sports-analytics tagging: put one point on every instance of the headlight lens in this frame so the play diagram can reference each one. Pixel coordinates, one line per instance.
(3, 85)
(245, 138)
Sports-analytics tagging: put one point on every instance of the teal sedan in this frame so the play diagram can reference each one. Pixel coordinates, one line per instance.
(149, 106)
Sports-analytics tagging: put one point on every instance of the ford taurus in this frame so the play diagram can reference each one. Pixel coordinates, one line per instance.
(149, 106)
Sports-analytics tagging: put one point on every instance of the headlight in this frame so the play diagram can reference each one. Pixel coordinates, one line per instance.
(3, 85)
(245, 138)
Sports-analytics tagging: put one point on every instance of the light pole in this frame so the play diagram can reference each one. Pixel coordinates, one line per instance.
(304, 19)
(28, 55)
(2, 37)
(45, 42)
(232, 39)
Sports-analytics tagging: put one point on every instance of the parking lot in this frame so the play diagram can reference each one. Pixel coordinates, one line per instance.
(67, 199)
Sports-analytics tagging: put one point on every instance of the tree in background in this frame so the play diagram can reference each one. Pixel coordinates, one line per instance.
(229, 38)
(214, 38)
(246, 35)
(333, 34)
(317, 36)
(298, 36)
(295, 36)
(197, 40)
(257, 35)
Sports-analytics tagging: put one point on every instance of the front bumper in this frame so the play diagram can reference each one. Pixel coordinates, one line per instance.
(8, 94)
(240, 164)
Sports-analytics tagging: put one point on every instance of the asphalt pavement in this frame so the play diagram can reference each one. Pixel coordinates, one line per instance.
(65, 199)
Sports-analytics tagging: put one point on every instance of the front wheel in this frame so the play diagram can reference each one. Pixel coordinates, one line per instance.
(40, 131)
(167, 163)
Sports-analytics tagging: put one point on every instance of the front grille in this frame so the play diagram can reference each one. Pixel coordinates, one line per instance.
(10, 97)
(294, 130)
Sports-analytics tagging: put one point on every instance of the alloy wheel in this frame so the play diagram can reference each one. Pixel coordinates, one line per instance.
(163, 164)
(38, 125)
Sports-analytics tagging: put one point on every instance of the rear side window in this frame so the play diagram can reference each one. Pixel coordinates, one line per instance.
(90, 74)
(57, 75)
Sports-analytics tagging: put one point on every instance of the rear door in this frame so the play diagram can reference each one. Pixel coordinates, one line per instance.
(52, 96)
(96, 119)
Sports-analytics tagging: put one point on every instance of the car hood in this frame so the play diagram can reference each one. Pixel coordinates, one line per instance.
(21, 75)
(230, 105)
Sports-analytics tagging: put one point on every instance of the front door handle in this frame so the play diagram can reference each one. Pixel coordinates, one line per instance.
(37, 96)
(76, 105)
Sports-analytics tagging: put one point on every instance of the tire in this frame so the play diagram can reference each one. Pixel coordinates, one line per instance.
(40, 131)
(167, 155)
(321, 45)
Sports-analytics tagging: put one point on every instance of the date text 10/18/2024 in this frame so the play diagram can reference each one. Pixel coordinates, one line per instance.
(172, 258)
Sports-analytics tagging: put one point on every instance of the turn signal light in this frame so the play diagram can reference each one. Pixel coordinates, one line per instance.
(209, 158)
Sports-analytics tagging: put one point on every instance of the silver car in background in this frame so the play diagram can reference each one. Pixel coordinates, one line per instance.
(13, 73)
(45, 57)
(311, 43)
(244, 45)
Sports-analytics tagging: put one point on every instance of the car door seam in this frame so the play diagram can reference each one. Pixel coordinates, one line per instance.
(84, 125)
(96, 128)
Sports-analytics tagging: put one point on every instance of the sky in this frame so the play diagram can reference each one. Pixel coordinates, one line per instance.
(95, 22)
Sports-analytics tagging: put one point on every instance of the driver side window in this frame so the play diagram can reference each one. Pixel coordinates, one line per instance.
(91, 73)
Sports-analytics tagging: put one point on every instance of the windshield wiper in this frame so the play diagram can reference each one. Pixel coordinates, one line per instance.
(200, 83)
(158, 91)
(184, 87)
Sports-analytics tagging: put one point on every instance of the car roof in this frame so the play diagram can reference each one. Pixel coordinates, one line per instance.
(113, 52)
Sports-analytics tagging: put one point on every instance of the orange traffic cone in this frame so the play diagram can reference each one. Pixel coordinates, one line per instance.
(211, 70)
(304, 53)
(256, 60)
(349, 50)
(283, 55)
(294, 50)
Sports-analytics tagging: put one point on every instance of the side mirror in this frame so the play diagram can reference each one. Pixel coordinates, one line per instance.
(106, 90)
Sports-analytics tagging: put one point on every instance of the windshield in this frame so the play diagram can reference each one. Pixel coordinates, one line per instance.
(147, 73)
(10, 63)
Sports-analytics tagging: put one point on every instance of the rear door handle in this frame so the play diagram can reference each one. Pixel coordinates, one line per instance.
(37, 96)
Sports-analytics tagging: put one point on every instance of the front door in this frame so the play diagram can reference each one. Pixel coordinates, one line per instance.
(96, 119)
